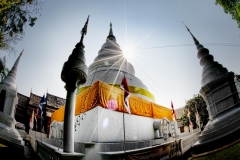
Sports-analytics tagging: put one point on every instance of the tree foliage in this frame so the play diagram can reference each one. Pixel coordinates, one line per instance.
(14, 16)
(231, 7)
(3, 69)
(5, 4)
(237, 77)
(197, 102)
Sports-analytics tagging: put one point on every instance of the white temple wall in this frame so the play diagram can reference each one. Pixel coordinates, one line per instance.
(87, 130)
(10, 100)
(10, 105)
(103, 125)
(186, 129)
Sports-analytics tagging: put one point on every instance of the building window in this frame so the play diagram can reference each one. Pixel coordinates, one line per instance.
(2, 99)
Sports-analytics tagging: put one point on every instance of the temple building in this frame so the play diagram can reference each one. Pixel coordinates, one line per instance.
(27, 106)
(99, 109)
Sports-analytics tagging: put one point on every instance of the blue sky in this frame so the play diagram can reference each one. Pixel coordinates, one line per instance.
(164, 57)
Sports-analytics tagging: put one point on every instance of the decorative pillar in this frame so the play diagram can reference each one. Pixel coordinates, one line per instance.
(74, 73)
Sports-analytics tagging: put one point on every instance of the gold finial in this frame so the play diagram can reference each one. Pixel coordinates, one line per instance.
(84, 29)
(194, 39)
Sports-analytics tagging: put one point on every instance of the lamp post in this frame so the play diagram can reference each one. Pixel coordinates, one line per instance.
(74, 73)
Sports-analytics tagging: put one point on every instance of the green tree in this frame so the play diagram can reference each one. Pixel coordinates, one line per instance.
(194, 105)
(14, 15)
(237, 77)
(231, 7)
(5, 4)
(3, 69)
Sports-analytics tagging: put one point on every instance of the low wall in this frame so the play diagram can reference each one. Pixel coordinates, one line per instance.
(188, 141)
(52, 148)
(37, 135)
(46, 150)
(22, 133)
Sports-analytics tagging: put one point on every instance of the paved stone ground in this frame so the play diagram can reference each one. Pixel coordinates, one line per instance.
(185, 156)
(8, 154)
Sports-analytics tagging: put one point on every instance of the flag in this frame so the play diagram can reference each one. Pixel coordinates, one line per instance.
(32, 119)
(190, 122)
(188, 113)
(42, 106)
(198, 120)
(36, 115)
(173, 112)
(124, 86)
(197, 116)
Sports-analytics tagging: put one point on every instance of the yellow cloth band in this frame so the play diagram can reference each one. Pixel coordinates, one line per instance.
(132, 89)
(110, 97)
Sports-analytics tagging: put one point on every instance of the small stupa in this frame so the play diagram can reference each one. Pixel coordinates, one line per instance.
(223, 104)
(9, 136)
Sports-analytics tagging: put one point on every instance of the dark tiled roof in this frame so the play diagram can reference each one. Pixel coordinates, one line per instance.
(55, 101)
(22, 100)
(34, 100)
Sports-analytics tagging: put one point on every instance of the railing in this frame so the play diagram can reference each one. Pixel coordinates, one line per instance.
(48, 151)
(188, 141)
(45, 152)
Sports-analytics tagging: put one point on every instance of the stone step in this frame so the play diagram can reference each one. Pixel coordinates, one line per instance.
(7, 137)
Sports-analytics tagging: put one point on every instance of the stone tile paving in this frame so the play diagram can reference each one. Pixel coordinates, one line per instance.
(8, 154)
(29, 153)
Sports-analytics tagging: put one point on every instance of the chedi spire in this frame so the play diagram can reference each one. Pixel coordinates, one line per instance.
(212, 70)
(11, 77)
(110, 35)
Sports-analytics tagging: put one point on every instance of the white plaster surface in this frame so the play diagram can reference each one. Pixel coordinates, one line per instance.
(10, 100)
(103, 125)
(7, 130)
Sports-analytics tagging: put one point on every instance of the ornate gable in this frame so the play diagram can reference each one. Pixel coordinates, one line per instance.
(55, 101)
(34, 100)
(23, 100)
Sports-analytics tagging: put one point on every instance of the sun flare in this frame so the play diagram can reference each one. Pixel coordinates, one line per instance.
(128, 53)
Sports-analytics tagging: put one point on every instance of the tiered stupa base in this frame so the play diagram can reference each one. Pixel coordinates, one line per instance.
(224, 109)
(225, 131)
(9, 136)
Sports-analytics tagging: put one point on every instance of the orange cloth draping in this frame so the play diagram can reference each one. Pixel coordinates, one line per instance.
(58, 115)
(100, 94)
